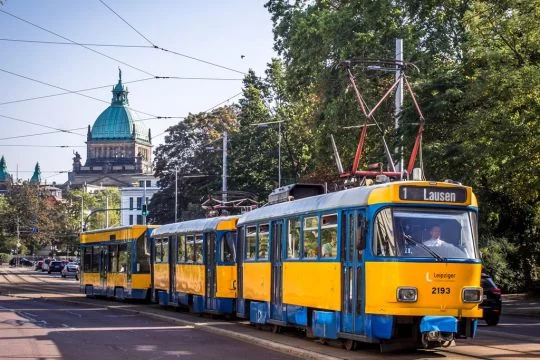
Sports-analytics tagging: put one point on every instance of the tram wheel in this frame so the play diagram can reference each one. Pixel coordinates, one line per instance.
(349, 344)
(276, 329)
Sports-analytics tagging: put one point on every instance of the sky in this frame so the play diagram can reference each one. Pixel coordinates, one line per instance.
(234, 34)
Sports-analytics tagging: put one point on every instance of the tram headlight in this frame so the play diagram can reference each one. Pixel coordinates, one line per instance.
(472, 295)
(407, 294)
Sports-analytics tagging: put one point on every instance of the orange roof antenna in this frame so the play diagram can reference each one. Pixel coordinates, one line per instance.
(377, 169)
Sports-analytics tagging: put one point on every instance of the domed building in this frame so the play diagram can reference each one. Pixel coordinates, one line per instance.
(119, 147)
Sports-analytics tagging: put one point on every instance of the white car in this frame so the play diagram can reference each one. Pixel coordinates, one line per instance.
(71, 269)
(45, 266)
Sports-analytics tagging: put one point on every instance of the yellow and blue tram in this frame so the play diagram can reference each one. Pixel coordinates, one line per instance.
(194, 265)
(116, 262)
(357, 264)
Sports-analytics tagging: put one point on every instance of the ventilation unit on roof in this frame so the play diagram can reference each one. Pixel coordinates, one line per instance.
(295, 192)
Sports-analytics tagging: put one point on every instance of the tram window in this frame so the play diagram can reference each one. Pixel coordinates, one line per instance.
(311, 237)
(264, 235)
(329, 236)
(123, 258)
(385, 244)
(251, 238)
(189, 248)
(87, 259)
(113, 258)
(95, 258)
(158, 251)
(227, 248)
(143, 254)
(351, 236)
(181, 248)
(198, 248)
(293, 239)
(165, 250)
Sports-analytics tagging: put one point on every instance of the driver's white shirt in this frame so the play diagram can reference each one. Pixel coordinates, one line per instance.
(434, 242)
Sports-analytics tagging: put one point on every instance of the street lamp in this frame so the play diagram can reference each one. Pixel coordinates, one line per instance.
(175, 193)
(264, 124)
(176, 188)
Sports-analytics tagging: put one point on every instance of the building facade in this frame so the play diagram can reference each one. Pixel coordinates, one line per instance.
(118, 147)
(133, 198)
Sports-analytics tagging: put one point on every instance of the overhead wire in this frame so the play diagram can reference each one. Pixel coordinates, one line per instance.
(38, 124)
(128, 24)
(75, 44)
(171, 51)
(39, 134)
(43, 146)
(84, 46)
(207, 110)
(70, 91)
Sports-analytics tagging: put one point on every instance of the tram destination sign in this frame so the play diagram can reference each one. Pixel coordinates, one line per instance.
(432, 194)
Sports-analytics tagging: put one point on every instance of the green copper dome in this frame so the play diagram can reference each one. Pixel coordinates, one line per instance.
(118, 122)
(4, 175)
(36, 177)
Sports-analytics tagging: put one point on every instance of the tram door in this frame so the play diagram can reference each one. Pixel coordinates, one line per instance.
(173, 239)
(352, 229)
(276, 311)
(240, 303)
(210, 271)
(103, 265)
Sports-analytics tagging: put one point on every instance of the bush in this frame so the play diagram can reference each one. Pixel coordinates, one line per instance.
(4, 258)
(501, 260)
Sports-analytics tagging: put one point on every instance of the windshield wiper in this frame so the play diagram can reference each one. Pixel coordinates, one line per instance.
(423, 246)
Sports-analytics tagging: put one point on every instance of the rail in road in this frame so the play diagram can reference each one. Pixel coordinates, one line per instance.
(513, 338)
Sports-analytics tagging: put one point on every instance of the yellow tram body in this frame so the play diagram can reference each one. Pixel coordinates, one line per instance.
(116, 262)
(379, 281)
(194, 264)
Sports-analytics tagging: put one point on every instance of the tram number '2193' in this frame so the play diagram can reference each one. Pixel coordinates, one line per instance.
(440, 291)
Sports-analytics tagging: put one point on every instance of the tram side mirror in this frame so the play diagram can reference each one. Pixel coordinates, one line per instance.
(361, 235)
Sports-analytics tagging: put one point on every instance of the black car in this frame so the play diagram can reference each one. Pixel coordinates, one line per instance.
(492, 303)
(20, 262)
(55, 266)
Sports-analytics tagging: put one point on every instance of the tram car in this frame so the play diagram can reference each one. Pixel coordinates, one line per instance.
(395, 263)
(116, 262)
(194, 265)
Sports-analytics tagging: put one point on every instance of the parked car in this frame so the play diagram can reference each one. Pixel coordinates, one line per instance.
(71, 269)
(492, 303)
(39, 265)
(20, 261)
(46, 263)
(55, 266)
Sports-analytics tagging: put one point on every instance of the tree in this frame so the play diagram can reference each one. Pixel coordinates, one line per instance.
(190, 149)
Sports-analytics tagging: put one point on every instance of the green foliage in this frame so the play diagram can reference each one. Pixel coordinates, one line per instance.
(193, 147)
(4, 258)
(501, 260)
(478, 88)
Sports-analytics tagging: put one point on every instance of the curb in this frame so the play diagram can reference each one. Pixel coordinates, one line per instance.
(302, 353)
(279, 347)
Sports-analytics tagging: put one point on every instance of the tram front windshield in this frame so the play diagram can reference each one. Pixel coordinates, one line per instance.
(421, 233)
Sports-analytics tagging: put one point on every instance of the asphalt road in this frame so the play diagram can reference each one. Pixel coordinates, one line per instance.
(34, 328)
(44, 316)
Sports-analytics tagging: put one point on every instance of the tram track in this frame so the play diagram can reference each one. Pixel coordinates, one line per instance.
(485, 346)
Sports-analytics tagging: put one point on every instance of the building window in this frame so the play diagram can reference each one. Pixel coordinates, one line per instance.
(141, 183)
(148, 183)
(130, 203)
(139, 219)
(139, 203)
(130, 219)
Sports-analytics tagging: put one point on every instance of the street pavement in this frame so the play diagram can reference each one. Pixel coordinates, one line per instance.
(520, 307)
